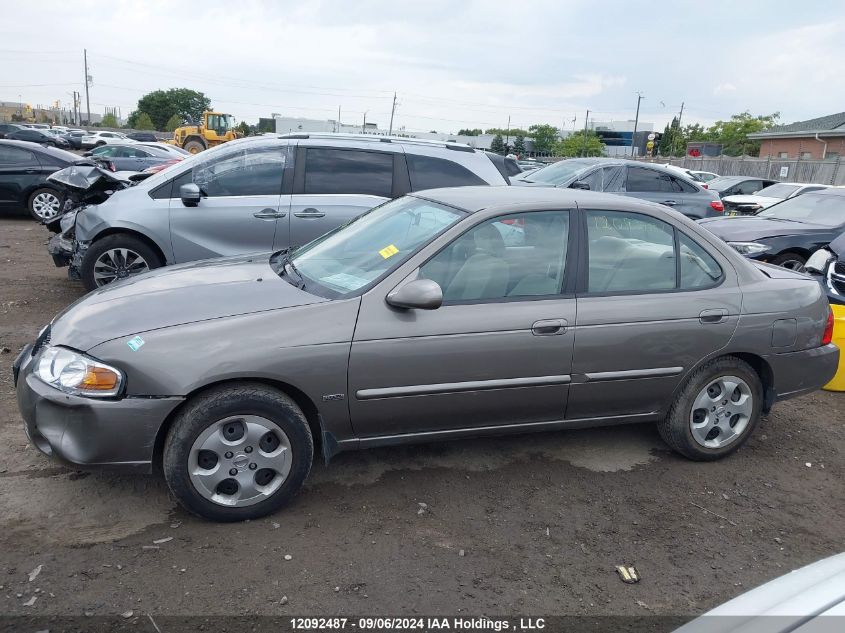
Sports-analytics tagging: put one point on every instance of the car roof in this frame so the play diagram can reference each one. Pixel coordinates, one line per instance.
(827, 191)
(38, 149)
(474, 199)
(377, 138)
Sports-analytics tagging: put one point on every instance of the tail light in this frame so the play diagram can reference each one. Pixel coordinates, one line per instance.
(827, 337)
(717, 206)
(704, 185)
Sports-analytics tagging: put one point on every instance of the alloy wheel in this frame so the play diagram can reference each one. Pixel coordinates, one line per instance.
(721, 412)
(239, 461)
(792, 264)
(46, 205)
(118, 263)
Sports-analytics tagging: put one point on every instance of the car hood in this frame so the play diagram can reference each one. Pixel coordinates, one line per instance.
(176, 295)
(749, 229)
(763, 201)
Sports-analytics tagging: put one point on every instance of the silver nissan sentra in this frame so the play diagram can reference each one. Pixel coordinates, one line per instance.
(444, 314)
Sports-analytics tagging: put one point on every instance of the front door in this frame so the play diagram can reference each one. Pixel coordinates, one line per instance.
(242, 207)
(645, 318)
(497, 352)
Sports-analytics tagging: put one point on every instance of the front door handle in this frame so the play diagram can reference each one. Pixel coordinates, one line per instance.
(714, 315)
(269, 214)
(310, 212)
(669, 203)
(31, 170)
(549, 327)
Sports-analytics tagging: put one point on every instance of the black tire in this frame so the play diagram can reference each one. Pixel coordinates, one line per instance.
(194, 146)
(118, 240)
(790, 260)
(233, 400)
(40, 192)
(675, 427)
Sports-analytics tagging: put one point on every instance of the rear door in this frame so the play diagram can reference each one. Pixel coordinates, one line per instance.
(334, 183)
(665, 189)
(242, 204)
(20, 171)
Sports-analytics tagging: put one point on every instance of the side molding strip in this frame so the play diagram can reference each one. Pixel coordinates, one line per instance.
(633, 373)
(455, 387)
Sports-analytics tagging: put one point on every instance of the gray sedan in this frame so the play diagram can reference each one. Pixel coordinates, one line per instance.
(134, 157)
(446, 314)
(654, 183)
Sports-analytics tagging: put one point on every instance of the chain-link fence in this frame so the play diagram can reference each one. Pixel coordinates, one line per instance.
(824, 172)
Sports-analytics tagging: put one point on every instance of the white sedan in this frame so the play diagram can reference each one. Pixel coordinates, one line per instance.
(766, 197)
(95, 139)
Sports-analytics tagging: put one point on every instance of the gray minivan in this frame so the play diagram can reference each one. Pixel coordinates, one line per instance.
(257, 194)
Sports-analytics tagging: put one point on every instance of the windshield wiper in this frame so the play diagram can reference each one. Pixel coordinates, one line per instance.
(284, 266)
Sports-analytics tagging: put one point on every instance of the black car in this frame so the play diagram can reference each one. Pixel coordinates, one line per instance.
(24, 168)
(738, 185)
(74, 137)
(38, 136)
(786, 233)
(8, 128)
(146, 137)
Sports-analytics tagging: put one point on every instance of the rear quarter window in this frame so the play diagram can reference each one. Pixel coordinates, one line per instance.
(428, 172)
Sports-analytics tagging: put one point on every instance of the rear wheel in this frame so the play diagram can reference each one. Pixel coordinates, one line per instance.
(790, 260)
(44, 204)
(117, 257)
(716, 410)
(238, 452)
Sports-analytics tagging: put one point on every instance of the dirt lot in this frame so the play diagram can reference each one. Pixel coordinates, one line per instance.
(541, 520)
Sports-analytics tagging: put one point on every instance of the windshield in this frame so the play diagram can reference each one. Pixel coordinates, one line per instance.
(561, 172)
(777, 191)
(722, 182)
(363, 250)
(826, 210)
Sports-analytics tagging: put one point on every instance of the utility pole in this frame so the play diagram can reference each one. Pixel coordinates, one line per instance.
(636, 121)
(338, 119)
(390, 131)
(586, 120)
(364, 124)
(508, 133)
(680, 116)
(87, 81)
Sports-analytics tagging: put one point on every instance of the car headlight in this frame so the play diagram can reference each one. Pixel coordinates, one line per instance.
(819, 260)
(78, 374)
(749, 248)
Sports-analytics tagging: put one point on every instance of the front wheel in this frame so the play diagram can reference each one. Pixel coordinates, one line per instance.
(792, 261)
(238, 452)
(194, 147)
(117, 257)
(44, 204)
(716, 410)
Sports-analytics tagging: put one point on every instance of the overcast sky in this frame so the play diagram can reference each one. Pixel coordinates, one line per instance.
(453, 63)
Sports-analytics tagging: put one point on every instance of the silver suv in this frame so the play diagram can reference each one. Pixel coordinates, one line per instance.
(258, 194)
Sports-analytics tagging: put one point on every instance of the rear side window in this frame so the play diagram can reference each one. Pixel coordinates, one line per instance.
(15, 155)
(428, 172)
(644, 180)
(698, 268)
(343, 171)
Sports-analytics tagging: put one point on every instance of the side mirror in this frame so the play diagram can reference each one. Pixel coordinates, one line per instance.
(580, 184)
(190, 194)
(88, 153)
(420, 294)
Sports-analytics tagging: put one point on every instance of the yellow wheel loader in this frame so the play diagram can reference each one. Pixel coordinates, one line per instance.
(214, 129)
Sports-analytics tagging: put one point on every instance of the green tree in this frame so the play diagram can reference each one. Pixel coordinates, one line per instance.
(497, 145)
(514, 131)
(545, 137)
(579, 144)
(519, 145)
(161, 105)
(694, 132)
(244, 128)
(173, 122)
(467, 132)
(109, 120)
(144, 122)
(733, 134)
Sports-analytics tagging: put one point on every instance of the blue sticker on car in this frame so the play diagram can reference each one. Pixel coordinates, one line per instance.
(135, 343)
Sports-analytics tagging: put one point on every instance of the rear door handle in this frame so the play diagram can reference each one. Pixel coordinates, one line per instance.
(310, 212)
(269, 214)
(714, 315)
(669, 203)
(549, 327)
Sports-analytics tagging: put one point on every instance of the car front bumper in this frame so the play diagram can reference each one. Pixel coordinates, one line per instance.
(89, 432)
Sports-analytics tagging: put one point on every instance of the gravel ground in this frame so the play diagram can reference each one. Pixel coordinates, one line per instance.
(521, 525)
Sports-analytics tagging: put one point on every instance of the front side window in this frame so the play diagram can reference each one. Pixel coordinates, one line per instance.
(519, 255)
(428, 172)
(244, 172)
(629, 252)
(357, 254)
(344, 171)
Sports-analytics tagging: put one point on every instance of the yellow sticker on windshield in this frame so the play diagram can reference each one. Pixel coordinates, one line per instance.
(388, 251)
